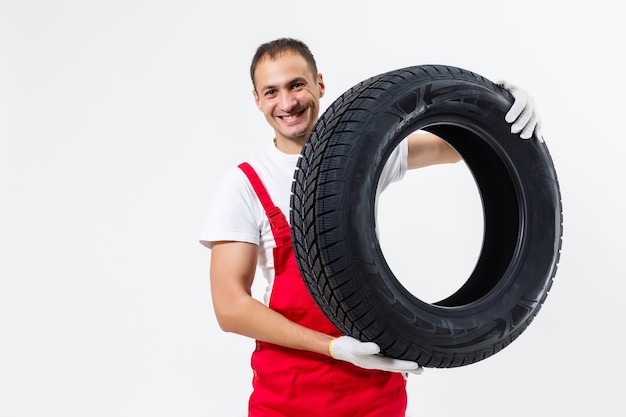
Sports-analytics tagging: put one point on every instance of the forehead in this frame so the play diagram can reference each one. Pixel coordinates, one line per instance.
(281, 69)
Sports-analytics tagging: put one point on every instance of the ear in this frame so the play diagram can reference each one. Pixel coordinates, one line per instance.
(321, 85)
(257, 100)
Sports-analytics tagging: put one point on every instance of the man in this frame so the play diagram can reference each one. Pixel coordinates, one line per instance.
(302, 365)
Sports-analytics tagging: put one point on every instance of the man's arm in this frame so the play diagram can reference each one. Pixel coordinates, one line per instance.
(233, 266)
(428, 149)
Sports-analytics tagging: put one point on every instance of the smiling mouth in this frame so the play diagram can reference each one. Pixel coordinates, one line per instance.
(291, 117)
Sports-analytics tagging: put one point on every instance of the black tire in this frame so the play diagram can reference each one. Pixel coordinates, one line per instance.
(333, 216)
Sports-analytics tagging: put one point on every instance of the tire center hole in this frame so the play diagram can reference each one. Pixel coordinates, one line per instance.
(430, 227)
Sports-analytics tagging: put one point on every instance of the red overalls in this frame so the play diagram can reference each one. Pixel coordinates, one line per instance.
(297, 383)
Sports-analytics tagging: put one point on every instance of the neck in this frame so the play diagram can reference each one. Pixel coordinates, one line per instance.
(289, 146)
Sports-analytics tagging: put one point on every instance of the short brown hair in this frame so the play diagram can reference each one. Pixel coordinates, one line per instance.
(279, 46)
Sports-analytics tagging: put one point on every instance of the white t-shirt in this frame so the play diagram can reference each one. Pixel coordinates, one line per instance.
(236, 214)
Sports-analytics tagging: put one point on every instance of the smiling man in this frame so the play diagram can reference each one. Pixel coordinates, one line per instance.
(302, 365)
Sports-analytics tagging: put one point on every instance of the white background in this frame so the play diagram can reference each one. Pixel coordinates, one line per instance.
(117, 119)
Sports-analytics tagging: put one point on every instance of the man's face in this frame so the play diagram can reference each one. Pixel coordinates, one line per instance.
(289, 97)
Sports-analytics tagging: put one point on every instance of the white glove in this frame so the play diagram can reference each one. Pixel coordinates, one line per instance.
(366, 355)
(522, 113)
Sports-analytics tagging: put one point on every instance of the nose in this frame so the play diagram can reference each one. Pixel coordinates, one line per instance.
(288, 101)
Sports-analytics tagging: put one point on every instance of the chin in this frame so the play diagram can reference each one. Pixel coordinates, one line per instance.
(295, 134)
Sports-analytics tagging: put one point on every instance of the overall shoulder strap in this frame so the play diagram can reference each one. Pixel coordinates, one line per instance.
(278, 222)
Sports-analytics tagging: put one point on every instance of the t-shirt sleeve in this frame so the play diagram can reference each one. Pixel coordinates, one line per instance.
(395, 167)
(233, 212)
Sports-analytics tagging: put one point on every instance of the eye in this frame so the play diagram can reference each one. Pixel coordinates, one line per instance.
(297, 86)
(269, 93)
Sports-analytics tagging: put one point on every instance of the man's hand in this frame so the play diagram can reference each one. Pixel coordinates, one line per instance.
(522, 113)
(365, 355)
